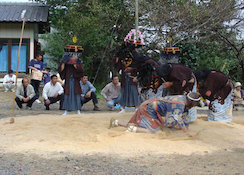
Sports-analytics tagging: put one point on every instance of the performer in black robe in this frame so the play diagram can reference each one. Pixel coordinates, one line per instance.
(71, 70)
(218, 89)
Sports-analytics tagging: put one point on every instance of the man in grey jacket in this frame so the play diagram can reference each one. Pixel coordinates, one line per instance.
(25, 94)
(88, 92)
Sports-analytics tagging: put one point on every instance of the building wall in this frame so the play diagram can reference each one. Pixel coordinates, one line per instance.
(13, 30)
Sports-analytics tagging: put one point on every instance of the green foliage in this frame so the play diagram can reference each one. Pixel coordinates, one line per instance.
(54, 49)
(197, 27)
(212, 55)
(99, 25)
(189, 54)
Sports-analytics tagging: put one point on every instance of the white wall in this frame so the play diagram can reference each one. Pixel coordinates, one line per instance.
(13, 30)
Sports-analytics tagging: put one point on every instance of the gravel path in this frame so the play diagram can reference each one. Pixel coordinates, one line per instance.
(223, 162)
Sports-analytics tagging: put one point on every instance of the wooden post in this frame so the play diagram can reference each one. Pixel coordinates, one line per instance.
(136, 16)
(17, 69)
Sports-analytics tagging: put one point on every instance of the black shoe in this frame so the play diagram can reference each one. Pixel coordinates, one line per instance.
(96, 108)
(47, 108)
(20, 108)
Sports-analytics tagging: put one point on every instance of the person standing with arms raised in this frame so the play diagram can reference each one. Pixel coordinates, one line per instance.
(71, 70)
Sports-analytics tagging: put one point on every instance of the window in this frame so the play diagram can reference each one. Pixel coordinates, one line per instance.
(3, 58)
(9, 55)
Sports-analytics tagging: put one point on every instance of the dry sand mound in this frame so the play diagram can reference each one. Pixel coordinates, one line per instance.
(89, 133)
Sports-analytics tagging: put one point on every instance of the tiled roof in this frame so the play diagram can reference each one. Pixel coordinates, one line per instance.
(35, 12)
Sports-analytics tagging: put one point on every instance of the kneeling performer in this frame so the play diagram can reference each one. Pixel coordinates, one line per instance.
(154, 114)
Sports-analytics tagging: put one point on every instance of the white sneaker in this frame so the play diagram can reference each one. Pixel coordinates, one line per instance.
(6, 91)
(78, 112)
(121, 111)
(12, 90)
(38, 101)
(65, 113)
(131, 129)
(113, 123)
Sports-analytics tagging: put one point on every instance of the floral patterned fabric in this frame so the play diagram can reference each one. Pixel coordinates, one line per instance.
(221, 112)
(157, 113)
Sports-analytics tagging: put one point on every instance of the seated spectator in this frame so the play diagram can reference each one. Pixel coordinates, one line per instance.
(53, 92)
(25, 94)
(238, 94)
(88, 93)
(111, 92)
(47, 75)
(9, 81)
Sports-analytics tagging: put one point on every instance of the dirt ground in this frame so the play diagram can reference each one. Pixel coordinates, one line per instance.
(44, 142)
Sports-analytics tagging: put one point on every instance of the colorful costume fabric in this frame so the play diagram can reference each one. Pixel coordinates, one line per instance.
(192, 113)
(177, 74)
(218, 89)
(71, 58)
(72, 89)
(129, 92)
(221, 112)
(156, 113)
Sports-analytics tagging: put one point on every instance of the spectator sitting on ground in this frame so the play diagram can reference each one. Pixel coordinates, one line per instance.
(53, 92)
(25, 94)
(88, 92)
(47, 75)
(238, 94)
(111, 92)
(9, 81)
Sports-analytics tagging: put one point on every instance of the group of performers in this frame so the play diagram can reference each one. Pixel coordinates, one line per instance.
(183, 88)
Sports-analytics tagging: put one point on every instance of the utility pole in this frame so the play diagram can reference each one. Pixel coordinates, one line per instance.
(136, 15)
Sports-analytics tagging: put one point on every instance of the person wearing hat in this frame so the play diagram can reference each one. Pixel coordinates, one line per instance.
(128, 60)
(71, 70)
(156, 113)
(238, 94)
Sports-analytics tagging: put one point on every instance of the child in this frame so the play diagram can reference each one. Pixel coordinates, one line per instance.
(47, 75)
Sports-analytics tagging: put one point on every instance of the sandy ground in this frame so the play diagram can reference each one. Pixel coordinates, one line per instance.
(82, 144)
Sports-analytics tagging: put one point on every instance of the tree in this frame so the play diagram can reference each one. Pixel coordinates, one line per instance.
(206, 31)
(99, 25)
(183, 19)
